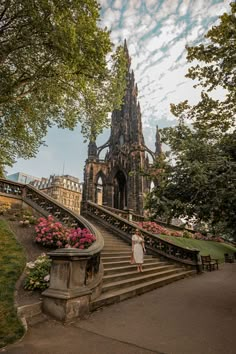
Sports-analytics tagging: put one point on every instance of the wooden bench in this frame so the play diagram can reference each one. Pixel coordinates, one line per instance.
(209, 263)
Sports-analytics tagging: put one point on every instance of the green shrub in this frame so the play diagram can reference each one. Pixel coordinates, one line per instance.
(28, 220)
(4, 207)
(187, 234)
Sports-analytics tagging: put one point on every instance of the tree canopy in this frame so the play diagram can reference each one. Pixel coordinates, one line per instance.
(56, 68)
(198, 176)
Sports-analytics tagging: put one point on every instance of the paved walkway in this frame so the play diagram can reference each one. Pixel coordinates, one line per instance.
(191, 316)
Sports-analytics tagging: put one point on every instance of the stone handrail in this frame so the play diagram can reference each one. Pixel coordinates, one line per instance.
(46, 205)
(75, 273)
(130, 215)
(11, 188)
(153, 243)
(127, 214)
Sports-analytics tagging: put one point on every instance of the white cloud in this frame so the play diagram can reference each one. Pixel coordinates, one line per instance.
(156, 41)
(111, 18)
(104, 3)
(168, 7)
(151, 5)
(183, 9)
(118, 4)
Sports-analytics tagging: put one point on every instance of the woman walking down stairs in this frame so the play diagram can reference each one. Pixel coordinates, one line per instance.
(121, 279)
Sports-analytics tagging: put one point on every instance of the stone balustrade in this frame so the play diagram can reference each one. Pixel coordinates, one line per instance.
(76, 275)
(153, 243)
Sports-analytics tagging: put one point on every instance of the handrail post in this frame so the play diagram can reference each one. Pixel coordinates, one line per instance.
(198, 262)
(67, 297)
(130, 215)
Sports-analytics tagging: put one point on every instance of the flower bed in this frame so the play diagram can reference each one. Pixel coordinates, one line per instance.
(37, 273)
(4, 207)
(53, 234)
(156, 229)
(27, 220)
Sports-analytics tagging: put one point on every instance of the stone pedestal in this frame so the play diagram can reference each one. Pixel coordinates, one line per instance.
(68, 296)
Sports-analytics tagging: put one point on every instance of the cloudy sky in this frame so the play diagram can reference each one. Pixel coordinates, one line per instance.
(157, 32)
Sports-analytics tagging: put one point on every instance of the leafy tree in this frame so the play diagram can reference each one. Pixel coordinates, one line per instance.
(56, 68)
(199, 176)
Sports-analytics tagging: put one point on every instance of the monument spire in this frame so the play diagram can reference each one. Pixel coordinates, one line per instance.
(158, 142)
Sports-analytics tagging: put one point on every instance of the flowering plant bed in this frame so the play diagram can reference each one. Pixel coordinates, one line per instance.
(27, 220)
(4, 207)
(154, 228)
(53, 234)
(37, 273)
(79, 238)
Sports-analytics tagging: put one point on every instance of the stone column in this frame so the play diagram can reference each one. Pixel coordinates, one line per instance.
(67, 297)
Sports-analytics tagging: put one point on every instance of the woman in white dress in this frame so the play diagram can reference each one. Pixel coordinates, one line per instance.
(138, 249)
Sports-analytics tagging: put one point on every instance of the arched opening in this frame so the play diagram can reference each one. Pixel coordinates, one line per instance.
(99, 191)
(120, 191)
(152, 186)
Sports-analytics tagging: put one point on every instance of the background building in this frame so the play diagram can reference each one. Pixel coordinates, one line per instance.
(65, 189)
(22, 177)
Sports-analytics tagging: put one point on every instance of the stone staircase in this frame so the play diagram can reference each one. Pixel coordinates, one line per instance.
(121, 279)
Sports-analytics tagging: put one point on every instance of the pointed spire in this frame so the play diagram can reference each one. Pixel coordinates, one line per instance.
(92, 150)
(139, 108)
(158, 142)
(127, 54)
(126, 47)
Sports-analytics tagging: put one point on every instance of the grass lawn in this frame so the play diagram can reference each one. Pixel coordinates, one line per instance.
(215, 249)
(12, 263)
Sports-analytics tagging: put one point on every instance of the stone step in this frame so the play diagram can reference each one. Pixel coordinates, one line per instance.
(111, 258)
(116, 243)
(115, 253)
(130, 267)
(117, 249)
(109, 264)
(132, 274)
(140, 279)
(118, 295)
(111, 237)
(107, 233)
(35, 320)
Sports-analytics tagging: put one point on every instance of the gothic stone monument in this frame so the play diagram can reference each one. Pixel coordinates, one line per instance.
(115, 181)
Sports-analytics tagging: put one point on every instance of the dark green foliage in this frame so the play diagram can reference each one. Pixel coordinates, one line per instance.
(199, 176)
(12, 263)
(54, 71)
